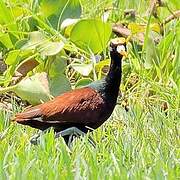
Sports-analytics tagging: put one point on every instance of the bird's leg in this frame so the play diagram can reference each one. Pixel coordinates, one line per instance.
(70, 131)
(35, 139)
(73, 131)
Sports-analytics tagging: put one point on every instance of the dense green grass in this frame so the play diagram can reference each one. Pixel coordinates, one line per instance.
(139, 144)
(142, 143)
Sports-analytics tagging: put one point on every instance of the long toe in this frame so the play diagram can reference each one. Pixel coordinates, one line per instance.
(35, 140)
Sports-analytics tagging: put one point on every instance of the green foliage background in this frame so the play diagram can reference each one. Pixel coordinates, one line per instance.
(67, 39)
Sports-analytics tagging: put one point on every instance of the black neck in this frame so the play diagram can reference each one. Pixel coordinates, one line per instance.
(113, 77)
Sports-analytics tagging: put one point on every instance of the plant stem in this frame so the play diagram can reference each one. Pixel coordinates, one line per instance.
(7, 89)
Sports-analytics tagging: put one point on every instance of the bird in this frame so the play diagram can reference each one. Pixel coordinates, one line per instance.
(76, 112)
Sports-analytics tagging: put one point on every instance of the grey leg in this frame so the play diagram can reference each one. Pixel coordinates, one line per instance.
(36, 138)
(70, 131)
(73, 131)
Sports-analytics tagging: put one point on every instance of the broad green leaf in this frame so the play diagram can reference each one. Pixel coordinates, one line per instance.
(51, 48)
(34, 89)
(56, 11)
(12, 57)
(6, 40)
(58, 64)
(45, 47)
(91, 34)
(36, 38)
(83, 82)
(39, 87)
(6, 16)
(83, 69)
(19, 44)
(59, 84)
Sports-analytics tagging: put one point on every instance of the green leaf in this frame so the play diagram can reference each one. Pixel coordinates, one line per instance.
(67, 26)
(6, 16)
(165, 47)
(136, 64)
(51, 48)
(6, 40)
(36, 38)
(83, 69)
(151, 54)
(39, 87)
(12, 57)
(57, 11)
(45, 47)
(58, 64)
(34, 89)
(19, 11)
(91, 34)
(19, 44)
(83, 82)
(8, 74)
(59, 84)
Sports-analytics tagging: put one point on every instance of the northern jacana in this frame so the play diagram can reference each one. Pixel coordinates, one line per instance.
(78, 111)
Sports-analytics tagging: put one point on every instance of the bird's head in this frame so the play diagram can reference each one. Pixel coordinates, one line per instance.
(118, 47)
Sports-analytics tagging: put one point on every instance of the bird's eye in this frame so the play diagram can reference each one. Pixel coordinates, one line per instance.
(120, 48)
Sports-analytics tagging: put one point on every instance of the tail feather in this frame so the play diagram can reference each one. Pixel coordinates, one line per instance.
(35, 122)
(20, 118)
(29, 114)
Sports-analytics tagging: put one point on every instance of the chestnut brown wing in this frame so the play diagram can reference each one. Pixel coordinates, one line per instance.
(78, 106)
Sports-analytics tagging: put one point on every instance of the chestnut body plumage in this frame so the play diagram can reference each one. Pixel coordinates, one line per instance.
(86, 108)
(78, 108)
